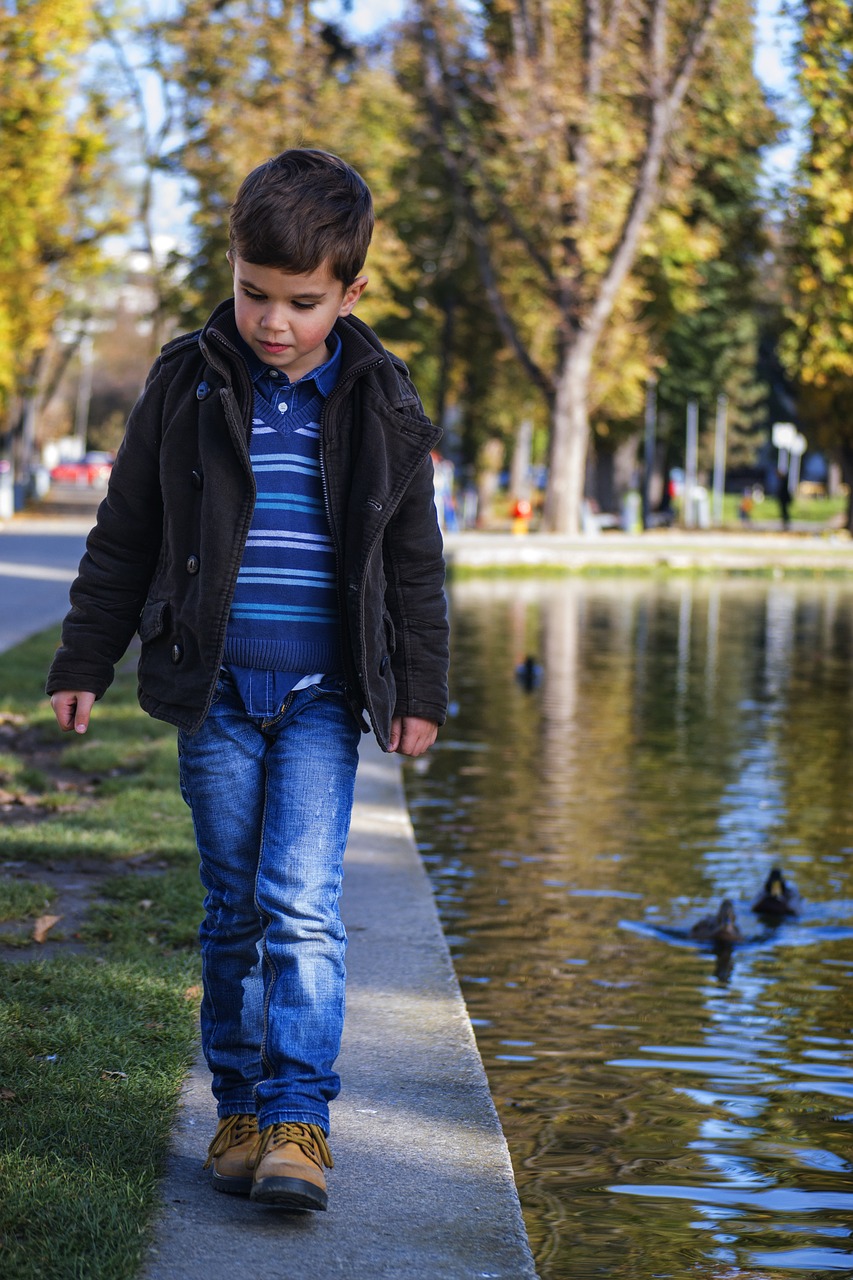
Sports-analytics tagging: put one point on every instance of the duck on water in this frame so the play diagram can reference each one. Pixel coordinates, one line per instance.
(721, 929)
(778, 898)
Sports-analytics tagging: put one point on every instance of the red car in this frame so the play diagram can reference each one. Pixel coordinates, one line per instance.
(92, 468)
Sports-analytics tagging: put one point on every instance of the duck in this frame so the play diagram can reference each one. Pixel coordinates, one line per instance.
(777, 898)
(529, 673)
(721, 929)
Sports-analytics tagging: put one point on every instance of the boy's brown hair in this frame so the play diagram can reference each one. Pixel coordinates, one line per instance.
(300, 209)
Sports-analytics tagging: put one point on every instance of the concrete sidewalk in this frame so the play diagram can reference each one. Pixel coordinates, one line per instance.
(736, 551)
(422, 1187)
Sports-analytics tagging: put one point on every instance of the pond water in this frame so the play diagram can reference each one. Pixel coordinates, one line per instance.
(671, 1110)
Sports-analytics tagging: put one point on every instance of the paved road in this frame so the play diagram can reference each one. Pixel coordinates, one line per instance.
(38, 562)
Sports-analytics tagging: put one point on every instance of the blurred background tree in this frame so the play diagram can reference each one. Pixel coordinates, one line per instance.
(705, 307)
(817, 347)
(557, 125)
(57, 200)
(569, 196)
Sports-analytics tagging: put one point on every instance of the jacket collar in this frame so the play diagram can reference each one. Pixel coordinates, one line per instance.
(360, 350)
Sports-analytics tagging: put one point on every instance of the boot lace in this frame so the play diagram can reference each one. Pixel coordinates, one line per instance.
(234, 1131)
(309, 1137)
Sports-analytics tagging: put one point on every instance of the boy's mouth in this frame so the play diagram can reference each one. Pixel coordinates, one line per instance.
(274, 348)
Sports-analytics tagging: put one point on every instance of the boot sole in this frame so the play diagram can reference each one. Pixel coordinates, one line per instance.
(231, 1186)
(289, 1193)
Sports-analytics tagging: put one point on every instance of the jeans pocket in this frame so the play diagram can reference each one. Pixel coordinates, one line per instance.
(223, 683)
(329, 685)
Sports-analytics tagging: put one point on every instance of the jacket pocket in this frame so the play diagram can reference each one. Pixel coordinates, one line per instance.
(390, 633)
(152, 621)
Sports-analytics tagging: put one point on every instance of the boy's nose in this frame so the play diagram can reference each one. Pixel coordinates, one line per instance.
(275, 319)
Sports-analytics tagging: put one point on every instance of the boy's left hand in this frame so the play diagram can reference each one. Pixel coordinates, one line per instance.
(411, 736)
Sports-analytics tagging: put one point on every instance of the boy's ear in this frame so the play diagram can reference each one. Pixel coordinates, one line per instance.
(230, 256)
(352, 294)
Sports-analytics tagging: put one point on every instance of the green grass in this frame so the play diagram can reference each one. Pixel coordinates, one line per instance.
(83, 1147)
(23, 899)
(817, 510)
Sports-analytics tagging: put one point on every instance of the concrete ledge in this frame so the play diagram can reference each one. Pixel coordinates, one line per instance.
(668, 549)
(422, 1187)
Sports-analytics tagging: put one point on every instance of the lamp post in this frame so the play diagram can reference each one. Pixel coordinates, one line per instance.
(86, 353)
(649, 446)
(720, 457)
(691, 464)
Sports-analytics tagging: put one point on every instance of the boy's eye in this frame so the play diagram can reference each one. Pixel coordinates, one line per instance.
(253, 297)
(304, 306)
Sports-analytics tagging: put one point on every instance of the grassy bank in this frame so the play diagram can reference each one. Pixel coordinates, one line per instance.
(97, 1022)
(817, 511)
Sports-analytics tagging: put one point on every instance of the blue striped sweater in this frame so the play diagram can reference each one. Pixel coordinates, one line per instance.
(284, 615)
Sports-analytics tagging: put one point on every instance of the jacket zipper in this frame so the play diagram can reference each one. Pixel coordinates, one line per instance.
(247, 520)
(342, 588)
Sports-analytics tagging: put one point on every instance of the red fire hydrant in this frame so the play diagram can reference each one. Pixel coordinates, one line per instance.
(521, 513)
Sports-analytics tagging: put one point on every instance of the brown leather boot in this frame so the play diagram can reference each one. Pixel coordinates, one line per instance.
(289, 1167)
(232, 1154)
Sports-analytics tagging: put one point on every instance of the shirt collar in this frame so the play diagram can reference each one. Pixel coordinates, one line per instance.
(325, 375)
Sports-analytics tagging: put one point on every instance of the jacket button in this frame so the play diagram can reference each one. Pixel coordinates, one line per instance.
(177, 653)
(192, 564)
(196, 480)
(202, 391)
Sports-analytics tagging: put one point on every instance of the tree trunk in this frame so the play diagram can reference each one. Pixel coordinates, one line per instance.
(569, 441)
(845, 458)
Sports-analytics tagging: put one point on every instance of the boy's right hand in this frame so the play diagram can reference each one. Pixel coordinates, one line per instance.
(72, 710)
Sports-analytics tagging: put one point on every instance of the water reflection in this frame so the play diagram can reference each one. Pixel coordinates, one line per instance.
(672, 1108)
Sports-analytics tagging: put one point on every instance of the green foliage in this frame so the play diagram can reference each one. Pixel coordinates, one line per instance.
(544, 119)
(704, 280)
(249, 78)
(52, 154)
(818, 346)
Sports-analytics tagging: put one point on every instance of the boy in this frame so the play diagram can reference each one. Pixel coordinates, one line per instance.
(270, 531)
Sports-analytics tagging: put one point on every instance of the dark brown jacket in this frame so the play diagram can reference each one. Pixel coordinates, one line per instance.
(164, 555)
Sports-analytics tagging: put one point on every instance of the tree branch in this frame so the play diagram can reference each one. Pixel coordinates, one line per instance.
(664, 109)
(479, 233)
(151, 145)
(431, 36)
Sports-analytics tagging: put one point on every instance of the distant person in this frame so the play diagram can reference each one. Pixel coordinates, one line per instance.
(270, 530)
(745, 509)
(783, 495)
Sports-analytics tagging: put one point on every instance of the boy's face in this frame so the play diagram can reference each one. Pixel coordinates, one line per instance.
(285, 318)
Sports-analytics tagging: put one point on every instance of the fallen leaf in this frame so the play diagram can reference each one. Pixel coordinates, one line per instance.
(146, 903)
(113, 1075)
(28, 800)
(192, 993)
(7, 1095)
(43, 925)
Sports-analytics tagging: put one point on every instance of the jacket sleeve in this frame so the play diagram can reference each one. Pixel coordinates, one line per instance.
(121, 554)
(414, 571)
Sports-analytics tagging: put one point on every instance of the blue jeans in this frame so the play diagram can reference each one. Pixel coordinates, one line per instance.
(271, 800)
